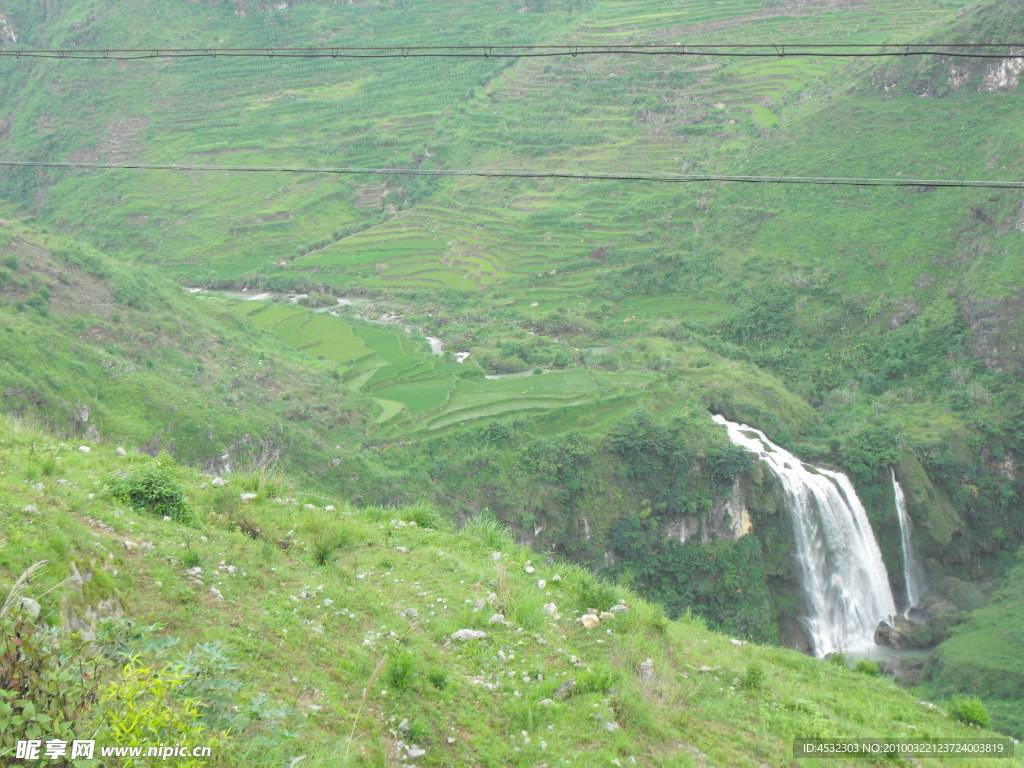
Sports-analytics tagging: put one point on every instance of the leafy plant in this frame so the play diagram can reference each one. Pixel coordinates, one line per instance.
(866, 667)
(142, 708)
(970, 710)
(152, 487)
(47, 682)
(754, 677)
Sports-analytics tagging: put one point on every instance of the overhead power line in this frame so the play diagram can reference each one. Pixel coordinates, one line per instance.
(660, 178)
(745, 50)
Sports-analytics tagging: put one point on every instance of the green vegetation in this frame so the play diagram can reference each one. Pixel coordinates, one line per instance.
(353, 661)
(860, 328)
(152, 488)
(976, 660)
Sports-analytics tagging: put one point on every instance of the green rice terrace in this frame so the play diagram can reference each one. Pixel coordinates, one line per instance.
(421, 393)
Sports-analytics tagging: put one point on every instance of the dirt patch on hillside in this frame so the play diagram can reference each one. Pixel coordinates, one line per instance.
(121, 142)
(997, 328)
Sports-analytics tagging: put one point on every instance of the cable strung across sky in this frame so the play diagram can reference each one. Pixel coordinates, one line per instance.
(657, 178)
(736, 50)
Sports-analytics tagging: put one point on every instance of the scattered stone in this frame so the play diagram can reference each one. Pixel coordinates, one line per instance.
(411, 614)
(611, 726)
(605, 615)
(120, 451)
(495, 555)
(479, 605)
(734, 641)
(541, 584)
(84, 448)
(219, 482)
(403, 550)
(590, 621)
(550, 609)
(31, 509)
(619, 608)
(647, 669)
(329, 508)
(564, 691)
(556, 577)
(496, 619)
(468, 634)
(529, 569)
(216, 593)
(545, 702)
(247, 497)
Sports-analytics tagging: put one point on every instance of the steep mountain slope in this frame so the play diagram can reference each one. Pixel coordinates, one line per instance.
(865, 328)
(100, 350)
(357, 652)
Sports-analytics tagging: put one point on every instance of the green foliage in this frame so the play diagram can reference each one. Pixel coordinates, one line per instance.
(753, 679)
(837, 658)
(724, 582)
(865, 667)
(970, 710)
(142, 708)
(400, 671)
(152, 487)
(48, 682)
(729, 462)
(421, 686)
(871, 448)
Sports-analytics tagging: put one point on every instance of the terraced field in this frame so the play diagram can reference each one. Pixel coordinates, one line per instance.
(420, 393)
(392, 234)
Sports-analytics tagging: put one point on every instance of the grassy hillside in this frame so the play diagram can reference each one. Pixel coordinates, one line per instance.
(348, 655)
(95, 348)
(977, 658)
(861, 328)
(903, 301)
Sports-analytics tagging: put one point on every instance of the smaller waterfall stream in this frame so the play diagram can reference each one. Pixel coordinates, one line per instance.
(913, 573)
(843, 575)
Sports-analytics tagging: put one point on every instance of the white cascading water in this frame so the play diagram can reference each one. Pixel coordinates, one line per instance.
(913, 574)
(844, 577)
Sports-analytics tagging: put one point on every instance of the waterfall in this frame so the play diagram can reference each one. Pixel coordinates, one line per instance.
(842, 572)
(913, 574)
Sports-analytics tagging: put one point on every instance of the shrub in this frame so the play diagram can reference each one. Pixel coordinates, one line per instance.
(47, 682)
(866, 667)
(152, 488)
(144, 707)
(970, 710)
(754, 678)
(728, 462)
(871, 448)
